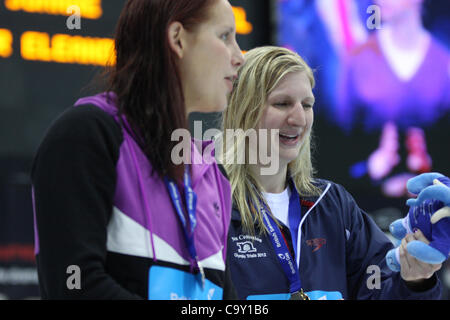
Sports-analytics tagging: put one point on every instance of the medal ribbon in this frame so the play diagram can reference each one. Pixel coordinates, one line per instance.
(191, 206)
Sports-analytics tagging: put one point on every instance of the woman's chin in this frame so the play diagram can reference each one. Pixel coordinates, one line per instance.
(217, 107)
(288, 157)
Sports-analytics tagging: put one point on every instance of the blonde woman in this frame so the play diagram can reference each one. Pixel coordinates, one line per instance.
(293, 236)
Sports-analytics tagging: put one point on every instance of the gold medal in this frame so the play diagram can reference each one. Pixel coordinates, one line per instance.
(299, 295)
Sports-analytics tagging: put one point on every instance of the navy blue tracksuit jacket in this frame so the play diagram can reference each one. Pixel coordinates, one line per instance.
(342, 255)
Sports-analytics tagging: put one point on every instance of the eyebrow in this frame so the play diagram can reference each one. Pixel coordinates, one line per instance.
(308, 99)
(230, 29)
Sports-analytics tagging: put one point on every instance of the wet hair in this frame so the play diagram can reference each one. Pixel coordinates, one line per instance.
(262, 71)
(146, 79)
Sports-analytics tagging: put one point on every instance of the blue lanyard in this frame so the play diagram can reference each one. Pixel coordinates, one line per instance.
(191, 205)
(282, 251)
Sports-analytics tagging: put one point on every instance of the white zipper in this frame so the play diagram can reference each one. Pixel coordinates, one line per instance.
(299, 236)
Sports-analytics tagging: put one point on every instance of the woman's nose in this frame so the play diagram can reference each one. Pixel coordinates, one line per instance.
(297, 116)
(237, 58)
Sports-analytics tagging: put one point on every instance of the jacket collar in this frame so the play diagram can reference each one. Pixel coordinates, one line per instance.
(202, 152)
(306, 202)
(202, 158)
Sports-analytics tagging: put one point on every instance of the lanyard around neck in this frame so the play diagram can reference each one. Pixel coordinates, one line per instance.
(284, 257)
(191, 206)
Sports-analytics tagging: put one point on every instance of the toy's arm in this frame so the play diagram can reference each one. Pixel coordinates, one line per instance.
(445, 211)
(440, 190)
(433, 201)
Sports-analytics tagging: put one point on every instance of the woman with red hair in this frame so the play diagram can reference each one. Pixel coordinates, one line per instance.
(115, 216)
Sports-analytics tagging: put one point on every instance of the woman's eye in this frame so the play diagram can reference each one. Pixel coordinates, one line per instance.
(281, 104)
(225, 36)
(307, 106)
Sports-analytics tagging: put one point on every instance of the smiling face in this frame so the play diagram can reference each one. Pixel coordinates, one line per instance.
(210, 60)
(289, 109)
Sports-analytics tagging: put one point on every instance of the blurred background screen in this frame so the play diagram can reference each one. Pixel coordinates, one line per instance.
(382, 95)
(382, 113)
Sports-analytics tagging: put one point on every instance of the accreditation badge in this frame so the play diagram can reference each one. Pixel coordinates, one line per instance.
(166, 283)
(311, 295)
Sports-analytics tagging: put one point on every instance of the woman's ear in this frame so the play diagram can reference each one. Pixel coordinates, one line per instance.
(175, 36)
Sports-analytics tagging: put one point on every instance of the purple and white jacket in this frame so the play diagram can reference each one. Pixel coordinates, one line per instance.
(97, 207)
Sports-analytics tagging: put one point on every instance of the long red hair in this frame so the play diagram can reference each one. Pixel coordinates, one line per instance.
(145, 77)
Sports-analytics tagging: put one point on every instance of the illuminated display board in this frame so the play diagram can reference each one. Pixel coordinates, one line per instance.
(65, 48)
(50, 50)
(6, 41)
(90, 9)
(68, 47)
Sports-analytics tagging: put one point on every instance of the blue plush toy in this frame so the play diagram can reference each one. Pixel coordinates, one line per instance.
(430, 213)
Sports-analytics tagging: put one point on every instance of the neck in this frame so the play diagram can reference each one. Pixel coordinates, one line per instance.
(271, 183)
(187, 111)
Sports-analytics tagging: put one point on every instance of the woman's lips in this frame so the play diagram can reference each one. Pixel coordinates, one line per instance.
(289, 140)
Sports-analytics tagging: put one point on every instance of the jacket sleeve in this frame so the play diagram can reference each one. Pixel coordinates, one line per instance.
(74, 179)
(368, 276)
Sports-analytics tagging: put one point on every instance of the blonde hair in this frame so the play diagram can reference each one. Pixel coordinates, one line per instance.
(261, 73)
